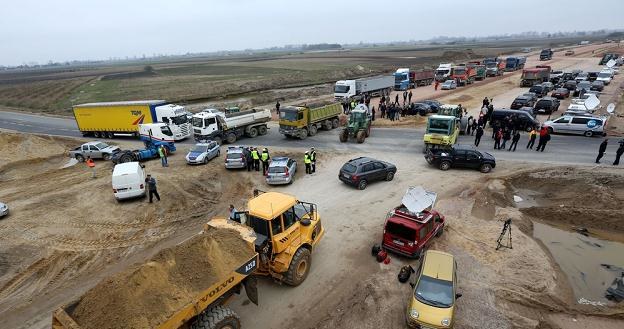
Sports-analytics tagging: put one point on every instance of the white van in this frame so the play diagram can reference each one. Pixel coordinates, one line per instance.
(587, 125)
(128, 180)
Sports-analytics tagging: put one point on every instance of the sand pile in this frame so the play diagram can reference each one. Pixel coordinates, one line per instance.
(145, 296)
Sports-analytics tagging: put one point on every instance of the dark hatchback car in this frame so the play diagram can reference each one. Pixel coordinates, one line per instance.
(418, 108)
(359, 172)
(570, 85)
(597, 86)
(546, 105)
(522, 101)
(461, 156)
(539, 90)
(592, 76)
(435, 105)
(561, 93)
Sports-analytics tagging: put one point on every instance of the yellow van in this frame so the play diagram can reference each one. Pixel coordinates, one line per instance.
(432, 304)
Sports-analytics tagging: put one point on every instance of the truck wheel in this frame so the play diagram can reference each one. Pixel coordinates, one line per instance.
(445, 165)
(96, 134)
(313, 130)
(368, 130)
(344, 135)
(335, 123)
(126, 158)
(109, 135)
(231, 138)
(327, 125)
(80, 158)
(262, 130)
(106, 156)
(486, 168)
(253, 132)
(218, 140)
(299, 267)
(303, 133)
(361, 136)
(218, 317)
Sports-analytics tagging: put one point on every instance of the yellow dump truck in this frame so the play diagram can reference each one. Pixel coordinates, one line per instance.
(278, 231)
(302, 121)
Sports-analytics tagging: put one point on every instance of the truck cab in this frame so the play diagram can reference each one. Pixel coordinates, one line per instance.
(176, 117)
(344, 89)
(443, 72)
(403, 79)
(441, 130)
(546, 54)
(207, 124)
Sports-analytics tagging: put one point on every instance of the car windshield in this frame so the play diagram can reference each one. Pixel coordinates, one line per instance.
(179, 120)
(277, 170)
(442, 72)
(434, 292)
(459, 71)
(349, 168)
(288, 115)
(199, 149)
(447, 83)
(401, 231)
(490, 65)
(356, 116)
(398, 77)
(198, 122)
(341, 89)
(101, 145)
(438, 126)
(604, 75)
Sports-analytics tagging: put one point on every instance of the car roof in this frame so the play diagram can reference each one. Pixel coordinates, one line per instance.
(235, 149)
(279, 161)
(547, 98)
(523, 97)
(126, 168)
(268, 205)
(464, 147)
(361, 160)
(94, 143)
(438, 265)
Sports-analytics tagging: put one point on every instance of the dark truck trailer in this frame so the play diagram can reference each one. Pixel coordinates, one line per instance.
(534, 76)
(546, 54)
(514, 63)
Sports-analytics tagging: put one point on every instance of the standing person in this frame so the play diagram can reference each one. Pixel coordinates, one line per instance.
(151, 187)
(382, 100)
(256, 159)
(373, 113)
(277, 107)
(543, 140)
(382, 108)
(91, 164)
(404, 97)
(307, 162)
(313, 159)
(506, 137)
(233, 212)
(514, 141)
(249, 158)
(618, 153)
(409, 97)
(486, 102)
(436, 85)
(495, 127)
(498, 135)
(602, 149)
(396, 99)
(474, 127)
(478, 135)
(265, 157)
(469, 125)
(532, 137)
(162, 152)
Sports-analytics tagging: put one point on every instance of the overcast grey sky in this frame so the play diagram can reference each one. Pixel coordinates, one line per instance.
(93, 29)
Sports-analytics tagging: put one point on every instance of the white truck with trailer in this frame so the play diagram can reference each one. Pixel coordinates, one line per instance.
(443, 72)
(230, 127)
(373, 86)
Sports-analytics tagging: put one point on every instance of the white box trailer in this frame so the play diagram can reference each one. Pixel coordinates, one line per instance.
(373, 86)
(211, 126)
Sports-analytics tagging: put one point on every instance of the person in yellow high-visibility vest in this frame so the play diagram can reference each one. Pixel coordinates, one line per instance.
(256, 159)
(308, 163)
(313, 159)
(264, 157)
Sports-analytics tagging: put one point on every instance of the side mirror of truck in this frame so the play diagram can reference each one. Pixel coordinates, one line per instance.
(305, 222)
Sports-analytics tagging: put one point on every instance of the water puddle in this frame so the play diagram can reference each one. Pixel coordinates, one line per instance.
(525, 198)
(590, 264)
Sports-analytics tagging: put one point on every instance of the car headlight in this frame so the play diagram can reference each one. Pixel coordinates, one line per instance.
(414, 314)
(446, 322)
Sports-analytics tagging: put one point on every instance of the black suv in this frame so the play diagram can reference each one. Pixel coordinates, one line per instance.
(570, 85)
(418, 108)
(522, 119)
(539, 90)
(435, 105)
(359, 172)
(522, 101)
(546, 105)
(460, 156)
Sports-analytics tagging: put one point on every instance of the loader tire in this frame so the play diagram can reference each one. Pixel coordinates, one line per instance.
(361, 136)
(218, 317)
(344, 136)
(299, 268)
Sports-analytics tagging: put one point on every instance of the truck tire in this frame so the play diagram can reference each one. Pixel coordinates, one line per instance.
(335, 123)
(230, 138)
(368, 131)
(80, 158)
(110, 135)
(127, 157)
(252, 132)
(299, 267)
(313, 130)
(327, 125)
(218, 317)
(218, 140)
(361, 136)
(262, 130)
(96, 134)
(303, 134)
(344, 135)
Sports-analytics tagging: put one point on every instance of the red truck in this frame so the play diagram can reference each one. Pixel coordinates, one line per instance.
(534, 76)
(463, 74)
(410, 227)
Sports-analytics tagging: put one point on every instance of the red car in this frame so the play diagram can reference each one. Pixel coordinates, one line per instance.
(560, 93)
(410, 227)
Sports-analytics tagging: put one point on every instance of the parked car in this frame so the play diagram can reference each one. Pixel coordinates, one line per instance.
(539, 90)
(412, 226)
(94, 150)
(561, 93)
(555, 76)
(587, 125)
(128, 180)
(432, 304)
(567, 76)
(592, 76)
(359, 172)
(546, 105)
(235, 157)
(435, 105)
(523, 120)
(418, 108)
(597, 85)
(201, 153)
(605, 77)
(581, 77)
(569, 53)
(460, 156)
(527, 109)
(522, 101)
(548, 87)
(532, 96)
(282, 170)
(570, 85)
(4, 209)
(449, 84)
(586, 85)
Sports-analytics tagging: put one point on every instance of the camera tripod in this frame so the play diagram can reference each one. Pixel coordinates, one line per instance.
(506, 229)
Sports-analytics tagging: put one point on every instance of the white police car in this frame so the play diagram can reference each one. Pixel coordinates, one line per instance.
(203, 152)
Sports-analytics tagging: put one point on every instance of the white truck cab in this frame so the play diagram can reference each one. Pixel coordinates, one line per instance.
(345, 89)
(156, 131)
(207, 123)
(176, 117)
(443, 72)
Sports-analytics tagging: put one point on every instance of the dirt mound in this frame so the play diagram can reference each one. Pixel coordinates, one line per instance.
(16, 147)
(145, 296)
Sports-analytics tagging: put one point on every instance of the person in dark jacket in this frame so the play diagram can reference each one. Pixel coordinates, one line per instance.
(248, 158)
(151, 188)
(514, 141)
(618, 153)
(478, 135)
(497, 138)
(495, 127)
(486, 102)
(474, 127)
(469, 125)
(506, 137)
(602, 149)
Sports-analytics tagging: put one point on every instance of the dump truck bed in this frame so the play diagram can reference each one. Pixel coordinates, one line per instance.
(171, 289)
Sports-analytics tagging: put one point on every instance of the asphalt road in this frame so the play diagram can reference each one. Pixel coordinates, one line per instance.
(562, 149)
